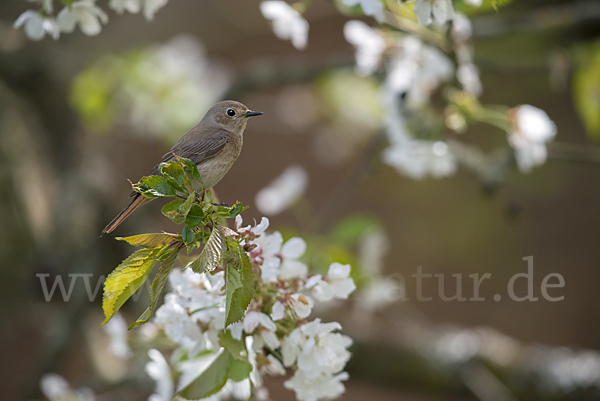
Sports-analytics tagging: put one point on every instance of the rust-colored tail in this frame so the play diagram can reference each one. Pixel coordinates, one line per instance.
(137, 201)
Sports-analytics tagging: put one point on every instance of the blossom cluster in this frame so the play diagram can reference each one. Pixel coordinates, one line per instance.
(412, 71)
(275, 328)
(83, 13)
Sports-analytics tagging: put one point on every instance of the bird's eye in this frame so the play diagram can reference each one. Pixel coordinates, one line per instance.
(231, 112)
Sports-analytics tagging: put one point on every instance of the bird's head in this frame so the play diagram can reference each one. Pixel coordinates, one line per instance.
(230, 115)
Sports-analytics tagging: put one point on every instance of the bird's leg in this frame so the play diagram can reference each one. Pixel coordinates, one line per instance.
(220, 204)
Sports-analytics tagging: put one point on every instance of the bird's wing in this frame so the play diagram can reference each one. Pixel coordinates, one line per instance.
(208, 144)
(198, 151)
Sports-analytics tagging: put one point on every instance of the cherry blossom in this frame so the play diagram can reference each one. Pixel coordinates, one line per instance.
(159, 370)
(37, 26)
(287, 22)
(283, 192)
(373, 8)
(336, 284)
(532, 129)
(439, 11)
(84, 13)
(369, 44)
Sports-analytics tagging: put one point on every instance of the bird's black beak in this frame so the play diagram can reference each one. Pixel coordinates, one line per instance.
(253, 113)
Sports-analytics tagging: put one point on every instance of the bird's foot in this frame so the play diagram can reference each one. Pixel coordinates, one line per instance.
(220, 204)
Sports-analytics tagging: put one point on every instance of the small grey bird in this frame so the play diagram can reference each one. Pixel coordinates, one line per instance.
(214, 145)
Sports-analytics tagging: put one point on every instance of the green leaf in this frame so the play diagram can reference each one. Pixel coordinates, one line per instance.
(178, 209)
(240, 284)
(586, 90)
(155, 186)
(212, 254)
(236, 348)
(176, 176)
(150, 240)
(215, 376)
(236, 209)
(211, 380)
(228, 232)
(171, 210)
(239, 370)
(127, 278)
(202, 236)
(190, 168)
(194, 216)
(187, 234)
(157, 286)
(187, 205)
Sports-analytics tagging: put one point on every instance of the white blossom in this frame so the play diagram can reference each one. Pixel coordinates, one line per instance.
(240, 390)
(259, 229)
(84, 13)
(278, 311)
(56, 388)
(373, 8)
(461, 27)
(323, 351)
(320, 354)
(336, 284)
(150, 7)
(474, 3)
(272, 366)
(268, 247)
(278, 260)
(428, 11)
(264, 329)
(290, 252)
(316, 348)
(159, 370)
(378, 293)
(193, 317)
(131, 6)
(456, 345)
(179, 326)
(283, 192)
(325, 386)
(416, 70)
(287, 22)
(468, 76)
(532, 128)
(37, 25)
(255, 319)
(369, 44)
(418, 159)
(116, 329)
(301, 305)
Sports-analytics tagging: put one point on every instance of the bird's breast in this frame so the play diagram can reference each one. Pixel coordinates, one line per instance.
(213, 169)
